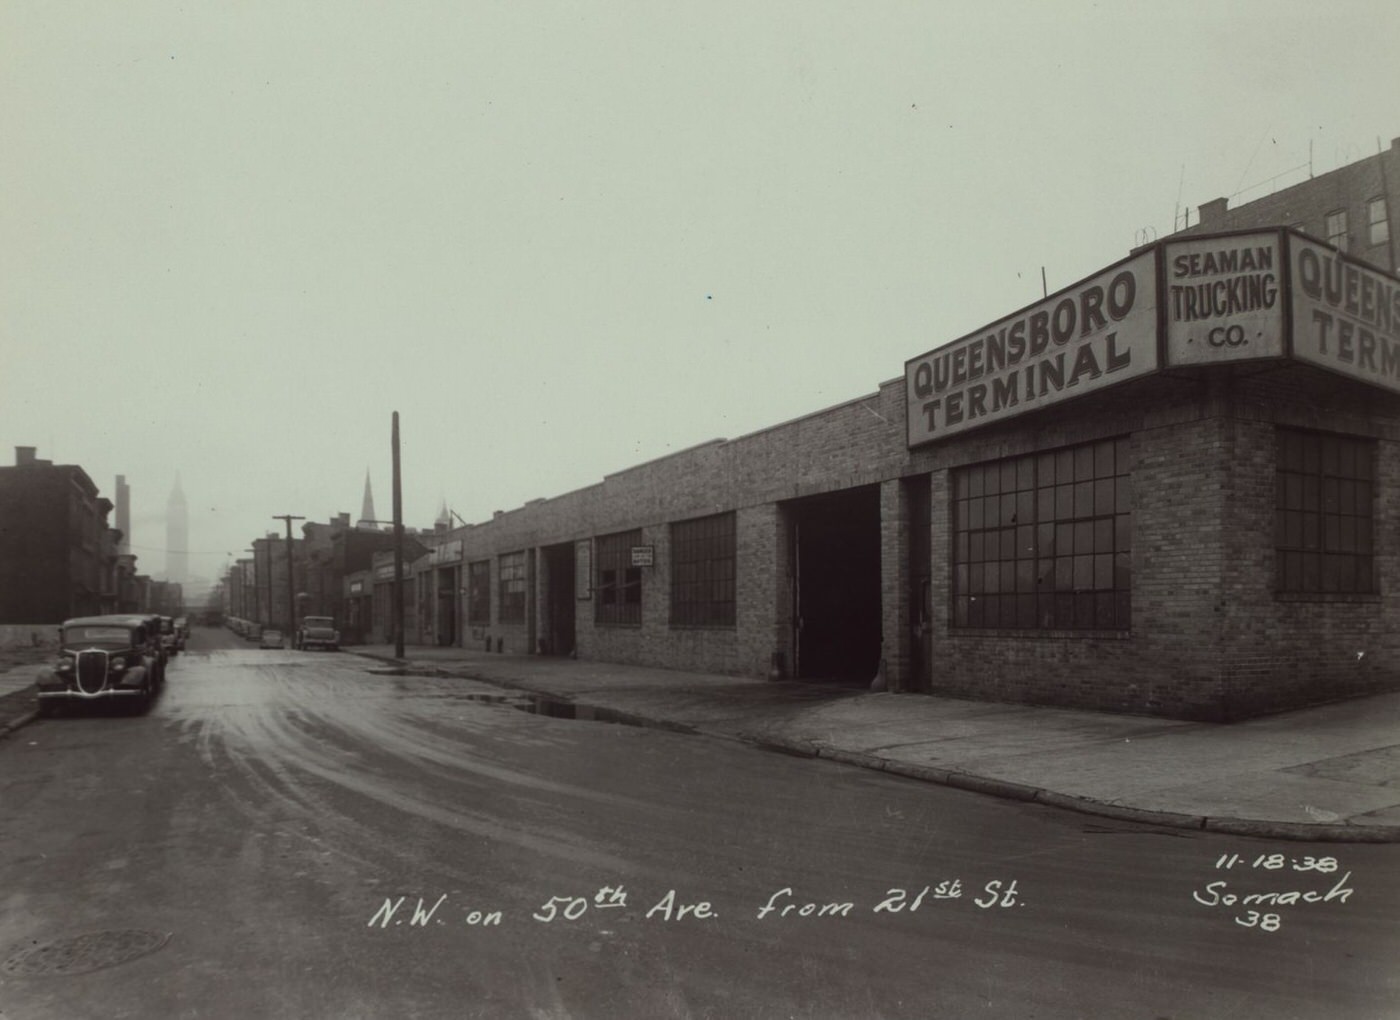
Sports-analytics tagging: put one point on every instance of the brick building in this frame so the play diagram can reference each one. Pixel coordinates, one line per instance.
(338, 579)
(272, 560)
(1169, 489)
(56, 560)
(1352, 208)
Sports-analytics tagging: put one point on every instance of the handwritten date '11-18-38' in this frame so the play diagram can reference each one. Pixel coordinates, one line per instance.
(1283, 873)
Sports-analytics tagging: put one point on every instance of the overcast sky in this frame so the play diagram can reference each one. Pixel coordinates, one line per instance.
(564, 238)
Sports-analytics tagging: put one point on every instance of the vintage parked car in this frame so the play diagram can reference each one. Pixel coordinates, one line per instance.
(317, 632)
(271, 638)
(170, 638)
(105, 658)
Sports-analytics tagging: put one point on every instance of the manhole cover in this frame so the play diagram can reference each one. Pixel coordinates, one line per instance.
(80, 954)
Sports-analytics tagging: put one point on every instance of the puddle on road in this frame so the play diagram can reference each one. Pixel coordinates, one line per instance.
(540, 704)
(558, 708)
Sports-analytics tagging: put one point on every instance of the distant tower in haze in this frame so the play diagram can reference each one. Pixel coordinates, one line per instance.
(367, 518)
(177, 535)
(123, 515)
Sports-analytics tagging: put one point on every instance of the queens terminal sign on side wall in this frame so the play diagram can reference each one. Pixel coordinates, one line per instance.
(1095, 334)
(1346, 315)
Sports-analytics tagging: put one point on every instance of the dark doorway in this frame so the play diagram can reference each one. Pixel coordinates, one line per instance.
(559, 606)
(448, 581)
(836, 590)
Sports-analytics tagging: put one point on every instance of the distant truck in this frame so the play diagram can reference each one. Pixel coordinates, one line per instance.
(317, 632)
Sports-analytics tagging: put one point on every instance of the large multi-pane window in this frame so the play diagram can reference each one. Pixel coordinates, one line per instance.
(1323, 523)
(702, 572)
(1377, 223)
(619, 585)
(510, 575)
(1044, 541)
(479, 592)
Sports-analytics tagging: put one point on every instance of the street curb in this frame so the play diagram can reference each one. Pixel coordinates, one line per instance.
(995, 787)
(857, 758)
(18, 723)
(797, 749)
(1305, 831)
(1004, 789)
(24, 718)
(1121, 812)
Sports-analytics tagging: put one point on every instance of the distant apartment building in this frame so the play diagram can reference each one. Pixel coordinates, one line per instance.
(1352, 208)
(56, 559)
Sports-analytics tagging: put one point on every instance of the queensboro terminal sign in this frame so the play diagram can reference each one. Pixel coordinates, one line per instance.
(1196, 301)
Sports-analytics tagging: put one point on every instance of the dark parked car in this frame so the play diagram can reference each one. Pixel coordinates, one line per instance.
(105, 658)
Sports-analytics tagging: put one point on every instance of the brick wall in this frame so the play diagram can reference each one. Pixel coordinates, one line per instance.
(1209, 639)
(1282, 651)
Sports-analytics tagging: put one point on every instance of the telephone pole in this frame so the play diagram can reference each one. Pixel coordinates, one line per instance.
(291, 631)
(398, 546)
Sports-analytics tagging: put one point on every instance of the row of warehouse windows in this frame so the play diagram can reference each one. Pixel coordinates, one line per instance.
(1044, 541)
(702, 578)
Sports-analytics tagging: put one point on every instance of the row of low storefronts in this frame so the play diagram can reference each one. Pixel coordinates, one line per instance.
(1173, 488)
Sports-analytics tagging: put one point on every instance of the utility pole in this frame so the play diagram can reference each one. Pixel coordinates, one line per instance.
(290, 634)
(256, 615)
(398, 546)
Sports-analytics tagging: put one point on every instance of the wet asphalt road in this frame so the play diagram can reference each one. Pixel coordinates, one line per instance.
(295, 835)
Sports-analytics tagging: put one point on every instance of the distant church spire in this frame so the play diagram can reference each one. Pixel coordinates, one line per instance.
(367, 517)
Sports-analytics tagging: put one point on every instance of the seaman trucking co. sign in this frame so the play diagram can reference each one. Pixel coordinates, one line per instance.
(1224, 298)
(1095, 334)
(1188, 303)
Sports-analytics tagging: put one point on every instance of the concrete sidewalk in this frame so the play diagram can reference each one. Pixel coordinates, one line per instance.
(1326, 774)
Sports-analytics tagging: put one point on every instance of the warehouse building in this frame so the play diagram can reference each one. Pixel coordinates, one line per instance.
(1170, 489)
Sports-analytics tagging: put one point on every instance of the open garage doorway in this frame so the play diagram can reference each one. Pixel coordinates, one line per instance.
(835, 572)
(559, 581)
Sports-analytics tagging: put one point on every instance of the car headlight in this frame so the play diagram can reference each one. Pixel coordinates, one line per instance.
(64, 666)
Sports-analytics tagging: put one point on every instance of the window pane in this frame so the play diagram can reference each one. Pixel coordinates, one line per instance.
(1103, 460)
(1064, 502)
(1083, 499)
(1084, 464)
